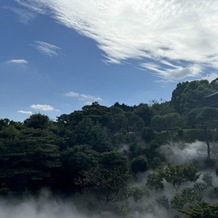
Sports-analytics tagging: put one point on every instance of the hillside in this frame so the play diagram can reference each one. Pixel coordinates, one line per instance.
(106, 151)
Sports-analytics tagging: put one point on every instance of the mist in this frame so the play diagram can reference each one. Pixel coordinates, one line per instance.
(44, 206)
(48, 205)
(180, 153)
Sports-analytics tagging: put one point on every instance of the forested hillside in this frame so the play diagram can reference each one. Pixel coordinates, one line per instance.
(115, 154)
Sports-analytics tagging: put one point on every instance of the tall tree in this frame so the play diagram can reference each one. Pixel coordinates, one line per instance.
(207, 119)
(190, 95)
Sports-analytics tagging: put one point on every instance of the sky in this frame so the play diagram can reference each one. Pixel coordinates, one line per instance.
(58, 55)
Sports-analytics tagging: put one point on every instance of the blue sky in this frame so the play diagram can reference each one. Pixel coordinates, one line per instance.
(58, 55)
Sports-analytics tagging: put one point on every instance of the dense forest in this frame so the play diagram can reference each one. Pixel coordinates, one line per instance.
(118, 157)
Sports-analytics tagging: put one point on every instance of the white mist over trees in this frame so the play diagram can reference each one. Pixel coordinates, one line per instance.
(145, 161)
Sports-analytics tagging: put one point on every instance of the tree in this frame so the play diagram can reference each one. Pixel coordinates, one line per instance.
(112, 159)
(139, 164)
(75, 160)
(89, 133)
(148, 134)
(107, 185)
(155, 181)
(4, 122)
(202, 209)
(167, 122)
(135, 123)
(207, 119)
(190, 95)
(191, 117)
(97, 113)
(78, 158)
(37, 121)
(161, 107)
(110, 179)
(193, 194)
(179, 174)
(9, 132)
(143, 111)
(119, 122)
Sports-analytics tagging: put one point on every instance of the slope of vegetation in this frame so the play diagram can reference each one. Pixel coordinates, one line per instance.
(101, 151)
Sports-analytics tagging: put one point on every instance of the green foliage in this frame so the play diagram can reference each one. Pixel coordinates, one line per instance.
(143, 111)
(155, 181)
(137, 192)
(108, 184)
(135, 123)
(188, 196)
(37, 121)
(167, 122)
(191, 135)
(94, 148)
(111, 160)
(119, 122)
(139, 164)
(161, 108)
(191, 117)
(147, 134)
(97, 113)
(179, 174)
(202, 209)
(207, 118)
(78, 158)
(190, 95)
(87, 132)
(4, 122)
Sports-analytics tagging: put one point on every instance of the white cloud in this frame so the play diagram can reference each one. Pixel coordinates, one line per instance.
(17, 61)
(46, 48)
(149, 31)
(25, 112)
(43, 107)
(175, 72)
(24, 15)
(211, 76)
(86, 99)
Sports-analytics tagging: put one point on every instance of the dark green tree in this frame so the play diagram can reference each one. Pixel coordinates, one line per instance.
(179, 174)
(144, 111)
(37, 121)
(108, 181)
(139, 164)
(207, 119)
(190, 95)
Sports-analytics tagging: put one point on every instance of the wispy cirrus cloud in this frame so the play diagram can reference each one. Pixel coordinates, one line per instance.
(84, 98)
(43, 107)
(25, 112)
(17, 61)
(25, 16)
(46, 48)
(182, 33)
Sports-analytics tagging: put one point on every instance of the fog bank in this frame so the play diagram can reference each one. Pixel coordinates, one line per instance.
(49, 206)
(181, 153)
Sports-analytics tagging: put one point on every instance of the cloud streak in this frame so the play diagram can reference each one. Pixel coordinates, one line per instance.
(25, 112)
(17, 61)
(182, 33)
(43, 107)
(86, 99)
(24, 15)
(46, 48)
